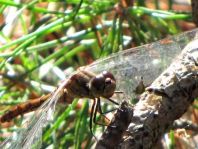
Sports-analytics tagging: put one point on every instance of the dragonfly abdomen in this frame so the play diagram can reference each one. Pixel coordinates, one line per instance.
(23, 108)
(81, 85)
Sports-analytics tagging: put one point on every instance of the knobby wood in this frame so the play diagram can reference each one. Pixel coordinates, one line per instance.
(163, 102)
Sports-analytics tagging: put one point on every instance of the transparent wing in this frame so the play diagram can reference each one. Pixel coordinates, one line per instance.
(147, 61)
(30, 136)
(128, 66)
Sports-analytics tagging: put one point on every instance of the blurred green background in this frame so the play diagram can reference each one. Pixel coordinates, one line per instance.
(41, 41)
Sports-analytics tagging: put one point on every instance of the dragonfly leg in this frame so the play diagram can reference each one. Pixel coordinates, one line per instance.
(98, 109)
(93, 111)
(106, 112)
(113, 101)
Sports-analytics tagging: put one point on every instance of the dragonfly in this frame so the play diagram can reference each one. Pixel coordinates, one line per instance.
(82, 84)
(123, 70)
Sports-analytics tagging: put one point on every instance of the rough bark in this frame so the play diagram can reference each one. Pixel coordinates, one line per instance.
(114, 132)
(166, 100)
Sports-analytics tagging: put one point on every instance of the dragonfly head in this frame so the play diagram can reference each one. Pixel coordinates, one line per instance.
(103, 85)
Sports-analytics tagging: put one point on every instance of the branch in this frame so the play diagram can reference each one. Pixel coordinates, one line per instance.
(114, 132)
(166, 100)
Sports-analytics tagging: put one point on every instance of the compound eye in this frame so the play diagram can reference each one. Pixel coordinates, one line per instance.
(110, 84)
(108, 81)
(103, 85)
(97, 82)
(96, 85)
(108, 75)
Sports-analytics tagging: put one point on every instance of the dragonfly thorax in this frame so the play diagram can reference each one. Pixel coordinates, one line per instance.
(103, 85)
